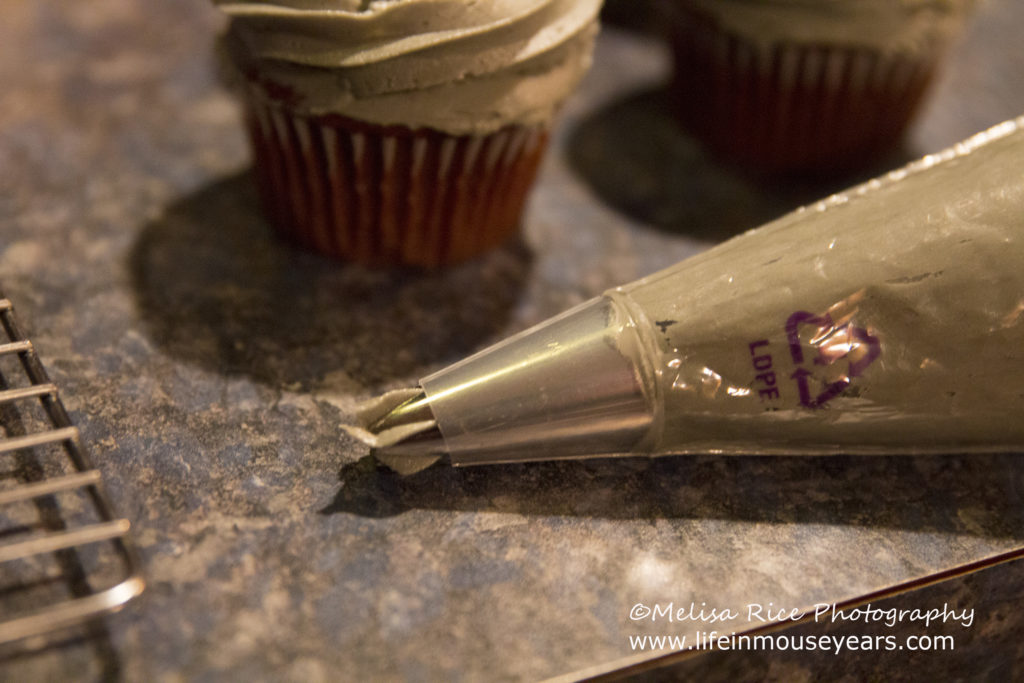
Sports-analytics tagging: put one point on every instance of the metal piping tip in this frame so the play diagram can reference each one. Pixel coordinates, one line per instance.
(410, 411)
(400, 428)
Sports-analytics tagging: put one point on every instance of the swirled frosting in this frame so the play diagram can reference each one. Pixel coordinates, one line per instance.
(459, 66)
(905, 26)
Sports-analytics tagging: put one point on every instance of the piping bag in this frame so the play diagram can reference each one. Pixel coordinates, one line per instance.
(887, 319)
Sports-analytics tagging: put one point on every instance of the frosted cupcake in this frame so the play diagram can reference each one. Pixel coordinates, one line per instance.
(402, 131)
(801, 85)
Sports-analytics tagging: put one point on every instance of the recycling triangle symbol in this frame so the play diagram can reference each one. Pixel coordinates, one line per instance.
(835, 344)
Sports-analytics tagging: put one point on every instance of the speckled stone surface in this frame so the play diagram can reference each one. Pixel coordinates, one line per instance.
(209, 368)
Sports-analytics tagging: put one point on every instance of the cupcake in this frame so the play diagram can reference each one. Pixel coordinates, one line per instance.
(402, 132)
(805, 85)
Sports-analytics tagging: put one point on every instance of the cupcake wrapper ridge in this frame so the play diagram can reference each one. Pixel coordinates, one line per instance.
(793, 107)
(390, 195)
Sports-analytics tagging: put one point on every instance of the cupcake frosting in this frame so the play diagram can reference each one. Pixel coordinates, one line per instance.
(460, 66)
(908, 26)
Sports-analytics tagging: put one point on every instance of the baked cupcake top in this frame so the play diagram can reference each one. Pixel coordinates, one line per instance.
(459, 66)
(907, 26)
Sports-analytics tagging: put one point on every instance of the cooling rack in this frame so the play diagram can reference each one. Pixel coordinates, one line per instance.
(65, 557)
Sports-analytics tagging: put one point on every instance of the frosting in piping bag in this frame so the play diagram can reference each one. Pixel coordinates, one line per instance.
(885, 319)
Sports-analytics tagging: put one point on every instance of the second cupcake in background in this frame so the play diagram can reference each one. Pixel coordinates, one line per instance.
(805, 85)
(402, 132)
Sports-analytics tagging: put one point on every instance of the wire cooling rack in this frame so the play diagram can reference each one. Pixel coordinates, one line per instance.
(64, 555)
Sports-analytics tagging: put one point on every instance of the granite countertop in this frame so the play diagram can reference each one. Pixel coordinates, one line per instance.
(209, 368)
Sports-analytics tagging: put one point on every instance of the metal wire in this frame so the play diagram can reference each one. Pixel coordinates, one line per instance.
(65, 557)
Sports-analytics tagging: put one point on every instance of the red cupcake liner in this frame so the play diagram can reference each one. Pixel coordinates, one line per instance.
(389, 195)
(792, 107)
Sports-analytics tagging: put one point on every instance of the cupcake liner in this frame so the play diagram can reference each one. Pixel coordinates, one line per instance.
(792, 107)
(388, 195)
